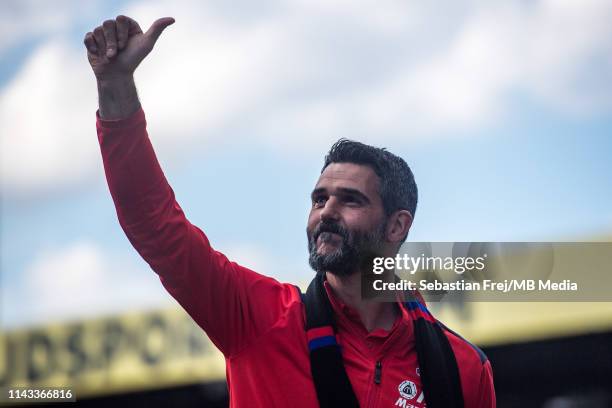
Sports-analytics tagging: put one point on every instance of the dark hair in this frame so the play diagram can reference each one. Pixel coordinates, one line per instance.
(398, 189)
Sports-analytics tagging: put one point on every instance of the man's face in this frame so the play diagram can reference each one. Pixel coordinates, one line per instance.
(347, 220)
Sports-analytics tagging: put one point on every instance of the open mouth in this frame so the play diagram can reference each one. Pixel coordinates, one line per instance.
(328, 239)
(328, 236)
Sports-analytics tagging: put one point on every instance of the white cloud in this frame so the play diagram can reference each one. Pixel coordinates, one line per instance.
(26, 19)
(47, 129)
(78, 281)
(295, 76)
(569, 59)
(20, 19)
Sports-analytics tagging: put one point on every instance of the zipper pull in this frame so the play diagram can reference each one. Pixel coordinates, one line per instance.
(377, 372)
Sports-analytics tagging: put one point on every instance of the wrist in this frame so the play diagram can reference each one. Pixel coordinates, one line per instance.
(117, 97)
(114, 79)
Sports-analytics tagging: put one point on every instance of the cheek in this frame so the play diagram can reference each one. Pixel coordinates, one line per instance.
(357, 219)
(312, 221)
(362, 221)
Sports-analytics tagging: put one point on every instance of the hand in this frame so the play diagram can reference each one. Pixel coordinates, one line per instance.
(115, 48)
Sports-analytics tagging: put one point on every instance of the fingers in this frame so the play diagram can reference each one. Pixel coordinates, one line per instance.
(158, 27)
(113, 35)
(110, 36)
(123, 28)
(98, 34)
(90, 43)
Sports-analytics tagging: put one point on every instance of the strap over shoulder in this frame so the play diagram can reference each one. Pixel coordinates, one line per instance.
(333, 386)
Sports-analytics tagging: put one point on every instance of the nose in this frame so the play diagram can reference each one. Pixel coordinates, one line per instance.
(330, 211)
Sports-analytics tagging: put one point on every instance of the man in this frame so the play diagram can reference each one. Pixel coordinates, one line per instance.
(330, 347)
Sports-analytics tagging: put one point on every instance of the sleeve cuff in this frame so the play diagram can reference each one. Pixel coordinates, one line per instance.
(132, 120)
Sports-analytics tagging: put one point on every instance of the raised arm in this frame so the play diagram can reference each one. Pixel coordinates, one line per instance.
(234, 305)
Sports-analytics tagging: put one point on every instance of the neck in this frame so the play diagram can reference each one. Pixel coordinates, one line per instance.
(374, 314)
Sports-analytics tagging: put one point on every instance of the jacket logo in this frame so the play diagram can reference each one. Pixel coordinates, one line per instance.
(407, 389)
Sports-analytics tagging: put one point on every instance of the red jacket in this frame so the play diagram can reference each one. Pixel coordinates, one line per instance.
(257, 322)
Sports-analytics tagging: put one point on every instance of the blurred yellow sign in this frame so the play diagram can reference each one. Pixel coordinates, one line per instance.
(500, 323)
(134, 351)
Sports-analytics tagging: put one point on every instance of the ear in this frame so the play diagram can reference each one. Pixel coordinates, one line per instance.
(398, 225)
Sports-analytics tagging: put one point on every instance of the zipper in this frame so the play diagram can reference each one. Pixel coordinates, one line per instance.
(375, 388)
(377, 372)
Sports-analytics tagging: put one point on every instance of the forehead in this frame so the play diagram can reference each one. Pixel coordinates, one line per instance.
(350, 175)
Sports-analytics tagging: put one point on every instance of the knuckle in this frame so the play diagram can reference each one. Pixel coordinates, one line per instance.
(98, 30)
(108, 23)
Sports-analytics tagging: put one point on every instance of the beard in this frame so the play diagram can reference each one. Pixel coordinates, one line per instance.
(357, 249)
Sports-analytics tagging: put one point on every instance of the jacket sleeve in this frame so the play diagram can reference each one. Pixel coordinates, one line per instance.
(233, 304)
(487, 390)
(475, 372)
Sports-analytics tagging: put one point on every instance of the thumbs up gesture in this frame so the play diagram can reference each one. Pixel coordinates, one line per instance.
(115, 48)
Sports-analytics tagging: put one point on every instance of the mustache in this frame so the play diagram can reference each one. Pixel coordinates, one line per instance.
(330, 227)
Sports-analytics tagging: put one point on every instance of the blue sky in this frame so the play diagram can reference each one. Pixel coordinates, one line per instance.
(504, 113)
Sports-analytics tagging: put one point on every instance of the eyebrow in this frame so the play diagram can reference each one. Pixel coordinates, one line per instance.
(343, 190)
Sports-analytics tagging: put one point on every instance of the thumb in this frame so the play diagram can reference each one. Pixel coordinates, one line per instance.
(158, 27)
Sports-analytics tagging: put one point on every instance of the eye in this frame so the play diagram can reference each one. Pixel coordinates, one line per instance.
(351, 200)
(319, 201)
